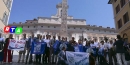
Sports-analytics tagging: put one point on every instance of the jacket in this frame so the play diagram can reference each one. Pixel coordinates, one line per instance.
(119, 46)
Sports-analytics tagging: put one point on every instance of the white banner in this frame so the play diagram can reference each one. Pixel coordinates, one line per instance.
(77, 58)
(16, 44)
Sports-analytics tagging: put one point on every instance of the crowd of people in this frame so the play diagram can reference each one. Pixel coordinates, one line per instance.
(105, 52)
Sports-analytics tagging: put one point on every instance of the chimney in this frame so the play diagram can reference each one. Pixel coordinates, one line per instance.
(88, 25)
(35, 19)
(94, 25)
(20, 22)
(14, 23)
(100, 26)
(108, 27)
(112, 28)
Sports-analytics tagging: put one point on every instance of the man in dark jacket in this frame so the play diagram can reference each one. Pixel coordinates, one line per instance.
(29, 44)
(120, 50)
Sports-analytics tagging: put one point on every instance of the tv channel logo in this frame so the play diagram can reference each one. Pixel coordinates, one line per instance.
(13, 29)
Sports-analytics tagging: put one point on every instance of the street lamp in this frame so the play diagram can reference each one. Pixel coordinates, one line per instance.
(82, 34)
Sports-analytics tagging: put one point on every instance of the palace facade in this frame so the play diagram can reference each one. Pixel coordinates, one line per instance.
(76, 27)
(121, 9)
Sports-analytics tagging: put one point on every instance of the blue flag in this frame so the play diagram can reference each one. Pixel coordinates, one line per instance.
(56, 46)
(38, 47)
(76, 48)
(81, 48)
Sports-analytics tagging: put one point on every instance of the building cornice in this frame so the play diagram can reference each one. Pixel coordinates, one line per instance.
(69, 25)
(46, 18)
(122, 28)
(58, 18)
(110, 1)
(71, 31)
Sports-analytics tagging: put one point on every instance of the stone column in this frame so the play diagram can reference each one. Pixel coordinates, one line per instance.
(70, 36)
(85, 35)
(56, 36)
(97, 37)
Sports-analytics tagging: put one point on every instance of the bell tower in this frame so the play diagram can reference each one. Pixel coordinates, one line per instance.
(63, 14)
(59, 9)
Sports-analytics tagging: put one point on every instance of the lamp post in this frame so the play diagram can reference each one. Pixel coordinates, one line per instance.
(82, 36)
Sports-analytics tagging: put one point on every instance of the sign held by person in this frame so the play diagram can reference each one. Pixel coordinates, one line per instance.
(77, 58)
(18, 45)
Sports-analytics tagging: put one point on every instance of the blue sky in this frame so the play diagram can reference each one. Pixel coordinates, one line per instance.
(96, 12)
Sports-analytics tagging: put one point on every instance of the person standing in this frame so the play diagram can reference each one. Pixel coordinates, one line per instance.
(70, 46)
(84, 43)
(76, 47)
(106, 44)
(47, 50)
(6, 50)
(1, 48)
(73, 41)
(38, 56)
(112, 54)
(102, 59)
(43, 55)
(63, 44)
(22, 53)
(29, 44)
(94, 47)
(96, 43)
(120, 50)
(54, 43)
(90, 51)
(80, 46)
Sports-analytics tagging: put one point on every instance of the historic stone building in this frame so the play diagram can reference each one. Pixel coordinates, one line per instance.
(5, 9)
(76, 27)
(121, 10)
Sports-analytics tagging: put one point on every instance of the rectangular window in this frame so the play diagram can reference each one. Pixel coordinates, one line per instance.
(9, 5)
(5, 2)
(122, 2)
(117, 8)
(126, 18)
(119, 23)
(5, 18)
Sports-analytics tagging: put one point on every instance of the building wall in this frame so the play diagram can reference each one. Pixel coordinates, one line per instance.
(125, 29)
(58, 21)
(73, 30)
(5, 8)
